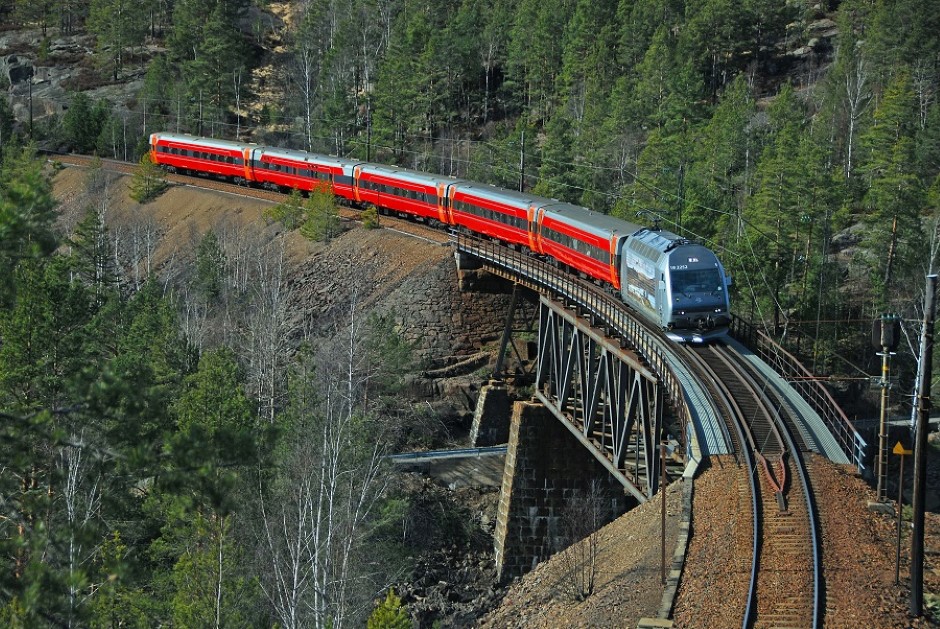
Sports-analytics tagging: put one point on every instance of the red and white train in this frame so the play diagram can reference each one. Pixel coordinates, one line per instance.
(677, 284)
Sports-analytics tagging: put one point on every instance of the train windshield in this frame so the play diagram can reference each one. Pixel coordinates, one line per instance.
(697, 281)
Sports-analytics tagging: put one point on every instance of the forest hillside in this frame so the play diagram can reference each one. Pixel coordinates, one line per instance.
(800, 140)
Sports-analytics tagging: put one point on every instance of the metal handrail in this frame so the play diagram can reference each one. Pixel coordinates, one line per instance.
(604, 307)
(809, 388)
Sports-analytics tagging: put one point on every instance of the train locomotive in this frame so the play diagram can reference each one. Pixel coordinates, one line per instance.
(674, 283)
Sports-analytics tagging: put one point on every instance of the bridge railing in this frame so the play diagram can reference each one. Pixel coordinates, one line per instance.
(605, 309)
(807, 385)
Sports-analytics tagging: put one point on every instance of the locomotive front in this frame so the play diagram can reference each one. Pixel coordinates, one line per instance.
(676, 283)
(696, 303)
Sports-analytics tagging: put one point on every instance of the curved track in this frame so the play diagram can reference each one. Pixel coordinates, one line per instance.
(786, 583)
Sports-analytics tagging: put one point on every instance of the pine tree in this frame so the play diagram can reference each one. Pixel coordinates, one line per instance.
(117, 25)
(389, 614)
(321, 215)
(148, 182)
(92, 254)
(210, 266)
(83, 122)
(895, 196)
(26, 213)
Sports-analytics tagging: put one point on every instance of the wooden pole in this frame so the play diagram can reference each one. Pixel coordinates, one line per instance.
(662, 494)
(897, 552)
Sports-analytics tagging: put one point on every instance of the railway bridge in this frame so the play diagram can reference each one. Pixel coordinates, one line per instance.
(613, 404)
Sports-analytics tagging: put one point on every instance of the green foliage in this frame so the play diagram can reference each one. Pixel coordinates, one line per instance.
(205, 45)
(147, 183)
(92, 256)
(35, 13)
(895, 196)
(42, 337)
(212, 398)
(6, 126)
(26, 212)
(117, 603)
(370, 217)
(209, 589)
(83, 123)
(117, 25)
(290, 213)
(210, 267)
(389, 614)
(317, 216)
(389, 352)
(321, 221)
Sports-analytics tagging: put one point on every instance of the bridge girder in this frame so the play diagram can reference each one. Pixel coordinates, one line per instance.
(603, 394)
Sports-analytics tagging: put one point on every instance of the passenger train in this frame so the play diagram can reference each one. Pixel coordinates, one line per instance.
(674, 283)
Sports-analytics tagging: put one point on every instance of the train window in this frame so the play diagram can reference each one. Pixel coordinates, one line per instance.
(697, 281)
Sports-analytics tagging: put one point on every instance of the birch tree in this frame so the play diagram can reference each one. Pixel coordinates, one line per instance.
(315, 517)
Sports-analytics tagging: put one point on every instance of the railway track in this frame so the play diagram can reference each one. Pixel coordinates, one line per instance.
(785, 557)
(398, 224)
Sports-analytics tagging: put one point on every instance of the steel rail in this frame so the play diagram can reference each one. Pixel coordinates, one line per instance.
(738, 428)
(743, 370)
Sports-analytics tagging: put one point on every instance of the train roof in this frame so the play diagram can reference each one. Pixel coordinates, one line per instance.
(304, 156)
(405, 174)
(186, 138)
(502, 195)
(660, 239)
(591, 221)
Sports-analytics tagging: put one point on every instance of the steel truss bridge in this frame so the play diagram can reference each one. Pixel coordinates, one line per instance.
(600, 371)
(606, 376)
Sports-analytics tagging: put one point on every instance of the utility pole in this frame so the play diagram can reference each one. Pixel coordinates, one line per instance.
(522, 161)
(920, 451)
(30, 107)
(886, 334)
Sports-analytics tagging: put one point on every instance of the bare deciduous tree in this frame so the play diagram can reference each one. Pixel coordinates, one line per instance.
(316, 516)
(857, 97)
(582, 520)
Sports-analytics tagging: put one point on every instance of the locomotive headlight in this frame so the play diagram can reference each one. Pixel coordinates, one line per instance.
(719, 310)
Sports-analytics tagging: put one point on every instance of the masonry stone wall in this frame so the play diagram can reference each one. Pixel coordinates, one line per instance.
(546, 466)
(445, 321)
(491, 419)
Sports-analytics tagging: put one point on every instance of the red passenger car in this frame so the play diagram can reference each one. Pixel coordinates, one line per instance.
(584, 240)
(503, 214)
(403, 190)
(299, 170)
(189, 153)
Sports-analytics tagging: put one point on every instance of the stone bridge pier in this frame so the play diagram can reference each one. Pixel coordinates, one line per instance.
(546, 471)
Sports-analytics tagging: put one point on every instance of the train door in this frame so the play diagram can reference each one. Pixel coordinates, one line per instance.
(357, 172)
(536, 214)
(442, 204)
(661, 305)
